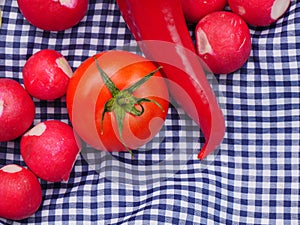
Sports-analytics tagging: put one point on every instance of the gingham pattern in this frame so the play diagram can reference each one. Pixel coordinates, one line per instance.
(254, 178)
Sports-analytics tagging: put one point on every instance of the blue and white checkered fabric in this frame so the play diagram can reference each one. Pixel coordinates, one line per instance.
(253, 179)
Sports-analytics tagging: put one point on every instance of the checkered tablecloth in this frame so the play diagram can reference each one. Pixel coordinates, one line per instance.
(254, 176)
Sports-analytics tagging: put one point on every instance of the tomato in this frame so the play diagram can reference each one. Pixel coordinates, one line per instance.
(112, 115)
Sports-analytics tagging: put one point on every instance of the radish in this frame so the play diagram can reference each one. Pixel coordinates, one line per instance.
(46, 74)
(53, 15)
(50, 149)
(223, 41)
(21, 192)
(17, 110)
(194, 10)
(259, 12)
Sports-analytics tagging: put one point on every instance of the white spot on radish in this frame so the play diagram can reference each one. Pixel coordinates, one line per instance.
(67, 3)
(64, 66)
(278, 8)
(11, 168)
(242, 44)
(234, 22)
(37, 130)
(0, 18)
(1, 107)
(241, 10)
(203, 43)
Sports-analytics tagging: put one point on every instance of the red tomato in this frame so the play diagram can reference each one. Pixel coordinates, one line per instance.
(88, 98)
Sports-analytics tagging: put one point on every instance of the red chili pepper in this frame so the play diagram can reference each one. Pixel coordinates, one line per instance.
(161, 31)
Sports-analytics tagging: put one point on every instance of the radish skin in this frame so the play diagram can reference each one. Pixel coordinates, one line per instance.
(50, 150)
(21, 193)
(223, 41)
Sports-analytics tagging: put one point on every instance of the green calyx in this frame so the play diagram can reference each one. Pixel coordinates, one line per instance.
(123, 101)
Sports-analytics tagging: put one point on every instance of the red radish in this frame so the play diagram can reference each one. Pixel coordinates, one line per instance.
(46, 74)
(17, 110)
(53, 15)
(50, 149)
(21, 192)
(194, 10)
(259, 12)
(223, 41)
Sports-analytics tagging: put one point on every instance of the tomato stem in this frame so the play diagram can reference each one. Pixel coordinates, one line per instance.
(124, 101)
(136, 85)
(107, 81)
